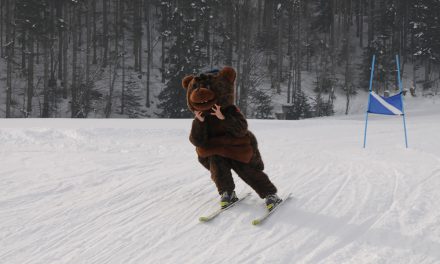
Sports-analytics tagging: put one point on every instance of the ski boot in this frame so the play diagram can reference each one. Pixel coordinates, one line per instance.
(227, 199)
(272, 201)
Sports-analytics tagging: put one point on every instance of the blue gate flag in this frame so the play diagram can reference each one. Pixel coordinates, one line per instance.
(385, 105)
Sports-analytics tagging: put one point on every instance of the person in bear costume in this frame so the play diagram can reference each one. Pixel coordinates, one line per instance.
(222, 139)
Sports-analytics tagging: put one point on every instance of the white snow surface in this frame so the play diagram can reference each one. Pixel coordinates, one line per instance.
(131, 191)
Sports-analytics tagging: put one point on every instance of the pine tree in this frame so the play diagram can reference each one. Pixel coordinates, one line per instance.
(323, 19)
(425, 27)
(322, 107)
(132, 101)
(384, 66)
(421, 25)
(301, 107)
(185, 57)
(262, 104)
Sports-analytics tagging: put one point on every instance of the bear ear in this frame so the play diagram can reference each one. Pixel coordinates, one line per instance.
(186, 81)
(228, 73)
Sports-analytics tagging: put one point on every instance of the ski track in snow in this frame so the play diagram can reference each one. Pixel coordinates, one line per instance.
(117, 191)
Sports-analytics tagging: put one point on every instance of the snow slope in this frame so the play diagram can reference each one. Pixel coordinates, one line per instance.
(131, 191)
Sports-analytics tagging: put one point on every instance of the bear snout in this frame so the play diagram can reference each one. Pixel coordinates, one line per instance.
(202, 99)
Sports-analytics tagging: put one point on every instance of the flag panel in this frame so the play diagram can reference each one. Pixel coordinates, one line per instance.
(385, 105)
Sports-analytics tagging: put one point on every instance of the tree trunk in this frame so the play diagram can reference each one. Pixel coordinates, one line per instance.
(79, 28)
(370, 21)
(74, 87)
(10, 40)
(405, 32)
(46, 79)
(60, 40)
(65, 58)
(87, 86)
(23, 50)
(207, 36)
(149, 52)
(108, 107)
(238, 20)
(427, 72)
(279, 51)
(332, 26)
(1, 27)
(89, 43)
(37, 54)
(229, 32)
(140, 35)
(123, 77)
(361, 22)
(30, 72)
(105, 32)
(52, 40)
(298, 51)
(307, 34)
(348, 85)
(358, 19)
(164, 25)
(414, 62)
(259, 16)
(290, 41)
(116, 25)
(95, 56)
(247, 31)
(136, 35)
(121, 35)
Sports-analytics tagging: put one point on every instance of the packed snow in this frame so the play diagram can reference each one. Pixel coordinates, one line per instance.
(131, 191)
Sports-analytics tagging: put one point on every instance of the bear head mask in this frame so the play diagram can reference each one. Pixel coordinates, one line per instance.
(208, 89)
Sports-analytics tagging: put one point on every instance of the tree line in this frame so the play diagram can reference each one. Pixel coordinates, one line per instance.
(125, 58)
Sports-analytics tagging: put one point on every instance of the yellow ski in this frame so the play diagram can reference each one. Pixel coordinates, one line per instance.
(214, 214)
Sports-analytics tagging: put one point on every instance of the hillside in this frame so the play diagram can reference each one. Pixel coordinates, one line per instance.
(131, 191)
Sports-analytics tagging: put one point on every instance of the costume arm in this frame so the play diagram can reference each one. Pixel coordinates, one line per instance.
(235, 123)
(199, 133)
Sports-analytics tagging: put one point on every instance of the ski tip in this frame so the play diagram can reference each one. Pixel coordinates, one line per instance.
(203, 219)
(256, 222)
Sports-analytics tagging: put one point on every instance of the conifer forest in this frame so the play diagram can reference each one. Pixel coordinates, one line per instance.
(294, 59)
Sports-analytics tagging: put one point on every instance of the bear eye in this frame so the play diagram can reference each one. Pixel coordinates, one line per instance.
(194, 86)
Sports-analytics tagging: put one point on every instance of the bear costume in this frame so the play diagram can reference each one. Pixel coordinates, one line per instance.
(221, 136)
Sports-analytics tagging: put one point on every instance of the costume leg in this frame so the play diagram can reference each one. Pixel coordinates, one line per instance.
(257, 179)
(204, 162)
(221, 174)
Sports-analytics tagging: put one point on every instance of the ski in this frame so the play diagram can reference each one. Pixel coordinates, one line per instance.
(261, 219)
(214, 214)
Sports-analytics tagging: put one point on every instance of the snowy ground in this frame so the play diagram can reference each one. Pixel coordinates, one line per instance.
(131, 191)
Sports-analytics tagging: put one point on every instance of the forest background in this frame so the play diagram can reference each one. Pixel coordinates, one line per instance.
(295, 59)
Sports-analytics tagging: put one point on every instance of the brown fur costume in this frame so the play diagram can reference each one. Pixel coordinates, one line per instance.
(227, 144)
